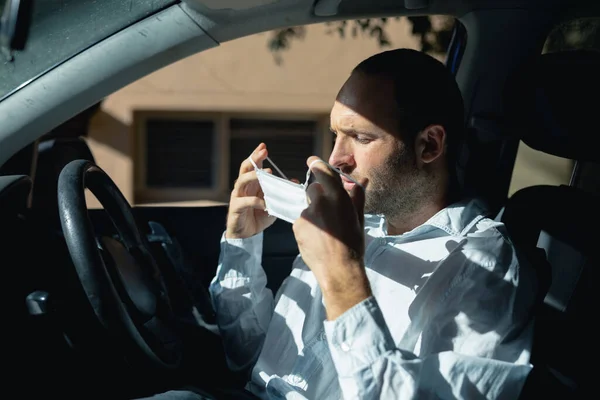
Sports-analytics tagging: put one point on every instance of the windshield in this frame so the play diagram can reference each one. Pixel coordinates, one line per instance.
(62, 28)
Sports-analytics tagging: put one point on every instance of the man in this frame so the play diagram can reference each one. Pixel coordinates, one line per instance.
(423, 297)
(400, 291)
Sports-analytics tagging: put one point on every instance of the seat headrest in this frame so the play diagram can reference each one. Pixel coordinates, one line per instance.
(552, 104)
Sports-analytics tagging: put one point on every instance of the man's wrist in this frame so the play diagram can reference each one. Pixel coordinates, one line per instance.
(236, 234)
(343, 291)
(231, 235)
(339, 304)
(340, 276)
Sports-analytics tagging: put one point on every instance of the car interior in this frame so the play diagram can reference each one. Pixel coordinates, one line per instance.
(113, 302)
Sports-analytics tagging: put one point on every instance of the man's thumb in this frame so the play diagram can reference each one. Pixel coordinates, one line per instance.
(357, 194)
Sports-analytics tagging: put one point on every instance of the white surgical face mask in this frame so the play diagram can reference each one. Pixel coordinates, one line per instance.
(286, 199)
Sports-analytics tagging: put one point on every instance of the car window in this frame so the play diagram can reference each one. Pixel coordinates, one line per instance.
(533, 167)
(61, 29)
(179, 135)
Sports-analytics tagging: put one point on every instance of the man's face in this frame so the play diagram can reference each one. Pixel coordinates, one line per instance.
(368, 147)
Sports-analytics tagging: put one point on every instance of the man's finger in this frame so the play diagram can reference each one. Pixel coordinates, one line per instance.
(314, 191)
(239, 189)
(357, 194)
(330, 179)
(241, 204)
(258, 156)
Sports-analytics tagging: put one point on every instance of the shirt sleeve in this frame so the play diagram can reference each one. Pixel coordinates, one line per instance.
(242, 302)
(474, 344)
(370, 366)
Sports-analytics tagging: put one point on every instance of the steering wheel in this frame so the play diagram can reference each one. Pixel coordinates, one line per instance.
(121, 279)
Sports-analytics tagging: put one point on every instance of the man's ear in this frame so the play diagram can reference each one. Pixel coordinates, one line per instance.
(430, 144)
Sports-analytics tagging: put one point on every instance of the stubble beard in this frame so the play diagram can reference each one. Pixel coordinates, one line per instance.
(398, 187)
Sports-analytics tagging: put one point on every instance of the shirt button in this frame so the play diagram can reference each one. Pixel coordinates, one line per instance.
(382, 241)
(323, 336)
(345, 347)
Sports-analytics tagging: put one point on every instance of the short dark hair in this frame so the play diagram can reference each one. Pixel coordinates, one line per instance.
(426, 93)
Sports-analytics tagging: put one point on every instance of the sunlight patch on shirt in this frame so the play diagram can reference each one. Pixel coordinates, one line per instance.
(234, 279)
(287, 307)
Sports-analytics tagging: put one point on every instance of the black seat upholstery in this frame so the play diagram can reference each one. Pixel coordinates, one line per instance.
(551, 105)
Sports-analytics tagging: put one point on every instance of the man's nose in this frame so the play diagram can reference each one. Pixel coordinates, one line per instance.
(341, 155)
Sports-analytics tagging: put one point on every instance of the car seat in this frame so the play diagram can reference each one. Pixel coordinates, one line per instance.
(551, 105)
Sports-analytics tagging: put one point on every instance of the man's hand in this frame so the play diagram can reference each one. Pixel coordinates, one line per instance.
(247, 216)
(330, 236)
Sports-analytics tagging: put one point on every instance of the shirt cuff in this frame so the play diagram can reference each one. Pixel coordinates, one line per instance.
(358, 337)
(252, 245)
(239, 260)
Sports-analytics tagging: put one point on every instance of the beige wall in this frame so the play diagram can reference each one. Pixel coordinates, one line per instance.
(238, 76)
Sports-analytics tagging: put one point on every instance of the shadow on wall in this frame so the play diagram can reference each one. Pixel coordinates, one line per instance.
(110, 142)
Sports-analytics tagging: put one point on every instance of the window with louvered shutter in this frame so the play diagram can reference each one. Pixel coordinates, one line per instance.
(290, 143)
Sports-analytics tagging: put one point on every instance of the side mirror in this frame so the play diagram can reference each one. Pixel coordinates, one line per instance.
(14, 25)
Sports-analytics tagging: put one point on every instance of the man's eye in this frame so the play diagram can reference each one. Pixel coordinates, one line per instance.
(362, 140)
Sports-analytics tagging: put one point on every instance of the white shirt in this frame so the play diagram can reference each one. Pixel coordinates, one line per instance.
(449, 317)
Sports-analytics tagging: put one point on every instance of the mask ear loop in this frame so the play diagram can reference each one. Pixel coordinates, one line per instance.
(253, 163)
(277, 168)
(307, 178)
(272, 163)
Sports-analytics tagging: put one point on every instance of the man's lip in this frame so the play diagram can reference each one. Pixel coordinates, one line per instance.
(348, 185)
(349, 182)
